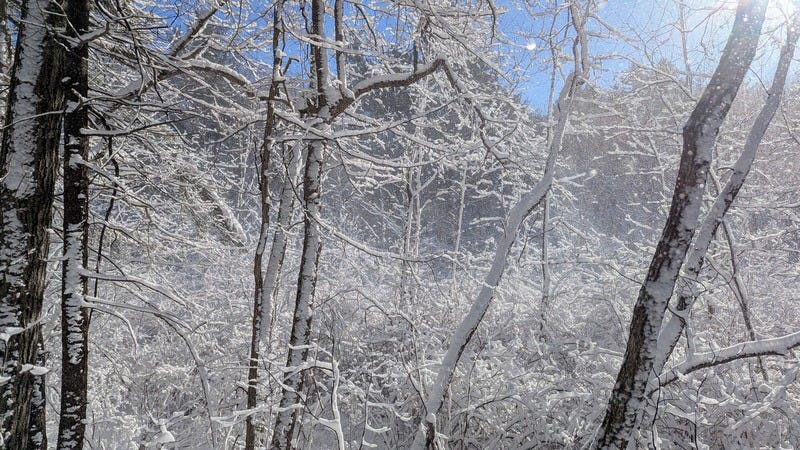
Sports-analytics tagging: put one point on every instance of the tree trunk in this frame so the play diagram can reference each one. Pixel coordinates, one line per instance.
(699, 134)
(28, 169)
(287, 421)
(411, 230)
(673, 329)
(291, 407)
(258, 304)
(38, 421)
(269, 285)
(74, 315)
(262, 293)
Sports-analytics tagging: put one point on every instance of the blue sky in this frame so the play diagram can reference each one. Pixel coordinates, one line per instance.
(652, 36)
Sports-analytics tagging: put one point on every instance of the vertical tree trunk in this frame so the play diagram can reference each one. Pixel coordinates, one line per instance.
(74, 315)
(28, 158)
(262, 293)
(287, 421)
(699, 134)
(286, 425)
(38, 423)
(291, 157)
(459, 230)
(258, 303)
(546, 280)
(277, 252)
(408, 278)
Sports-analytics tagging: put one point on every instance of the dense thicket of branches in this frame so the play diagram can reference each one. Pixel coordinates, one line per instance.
(347, 224)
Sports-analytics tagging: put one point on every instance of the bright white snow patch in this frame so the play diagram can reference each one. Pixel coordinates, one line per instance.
(34, 370)
(163, 437)
(10, 331)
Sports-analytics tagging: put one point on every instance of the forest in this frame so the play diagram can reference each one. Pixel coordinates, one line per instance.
(399, 224)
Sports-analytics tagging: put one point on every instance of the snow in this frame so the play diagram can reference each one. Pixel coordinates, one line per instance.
(413, 269)
(7, 332)
(20, 162)
(34, 369)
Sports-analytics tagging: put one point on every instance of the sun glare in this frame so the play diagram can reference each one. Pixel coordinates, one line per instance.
(783, 7)
(777, 10)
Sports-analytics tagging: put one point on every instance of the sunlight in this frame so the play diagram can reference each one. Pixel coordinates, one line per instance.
(780, 11)
(777, 8)
(783, 7)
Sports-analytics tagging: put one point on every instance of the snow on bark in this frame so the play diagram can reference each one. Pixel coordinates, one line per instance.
(263, 294)
(27, 171)
(74, 313)
(288, 417)
(699, 135)
(287, 421)
(279, 238)
(671, 331)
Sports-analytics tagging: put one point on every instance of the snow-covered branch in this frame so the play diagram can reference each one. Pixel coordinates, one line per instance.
(516, 216)
(778, 346)
(392, 80)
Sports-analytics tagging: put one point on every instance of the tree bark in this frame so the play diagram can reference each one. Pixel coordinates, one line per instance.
(74, 315)
(287, 421)
(286, 424)
(262, 294)
(699, 134)
(28, 169)
(673, 329)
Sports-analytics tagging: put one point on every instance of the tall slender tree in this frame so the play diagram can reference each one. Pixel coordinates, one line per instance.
(74, 313)
(28, 158)
(699, 135)
(287, 420)
(262, 298)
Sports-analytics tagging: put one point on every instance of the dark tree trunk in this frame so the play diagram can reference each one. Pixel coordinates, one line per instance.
(28, 158)
(286, 425)
(699, 134)
(262, 294)
(672, 330)
(258, 305)
(38, 421)
(287, 421)
(74, 315)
